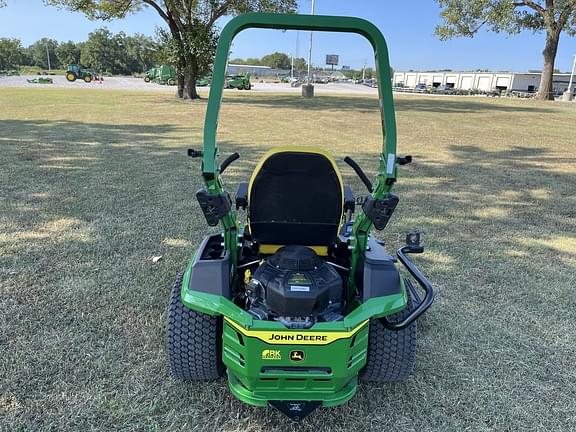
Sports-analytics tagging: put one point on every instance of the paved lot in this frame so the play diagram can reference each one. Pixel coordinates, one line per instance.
(129, 83)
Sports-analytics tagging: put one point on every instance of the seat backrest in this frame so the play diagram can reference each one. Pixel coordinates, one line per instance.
(295, 197)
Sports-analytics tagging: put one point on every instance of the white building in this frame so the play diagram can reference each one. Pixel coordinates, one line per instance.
(485, 81)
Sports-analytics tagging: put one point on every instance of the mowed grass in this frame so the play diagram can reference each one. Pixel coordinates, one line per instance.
(93, 184)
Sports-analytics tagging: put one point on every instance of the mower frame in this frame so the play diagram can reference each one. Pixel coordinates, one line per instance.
(246, 340)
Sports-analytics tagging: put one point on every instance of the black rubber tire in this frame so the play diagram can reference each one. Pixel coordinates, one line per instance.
(193, 340)
(87, 78)
(146, 79)
(391, 354)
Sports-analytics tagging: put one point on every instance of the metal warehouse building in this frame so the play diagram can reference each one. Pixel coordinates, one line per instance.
(523, 81)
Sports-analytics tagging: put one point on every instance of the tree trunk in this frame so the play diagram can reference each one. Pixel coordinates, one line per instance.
(546, 90)
(190, 86)
(180, 90)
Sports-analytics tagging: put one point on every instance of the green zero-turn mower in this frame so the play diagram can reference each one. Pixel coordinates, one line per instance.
(302, 301)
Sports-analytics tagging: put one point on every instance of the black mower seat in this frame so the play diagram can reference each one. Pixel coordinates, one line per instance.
(296, 197)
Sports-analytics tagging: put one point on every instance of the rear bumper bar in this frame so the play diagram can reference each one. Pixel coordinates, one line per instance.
(423, 304)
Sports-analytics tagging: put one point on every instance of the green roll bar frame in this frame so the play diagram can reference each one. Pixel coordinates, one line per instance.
(387, 167)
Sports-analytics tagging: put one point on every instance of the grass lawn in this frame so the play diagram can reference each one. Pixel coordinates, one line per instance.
(93, 184)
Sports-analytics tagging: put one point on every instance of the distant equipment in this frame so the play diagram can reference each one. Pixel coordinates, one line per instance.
(332, 59)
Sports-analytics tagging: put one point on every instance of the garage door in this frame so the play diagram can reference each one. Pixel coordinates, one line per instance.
(451, 79)
(466, 82)
(503, 82)
(484, 83)
(437, 79)
(410, 80)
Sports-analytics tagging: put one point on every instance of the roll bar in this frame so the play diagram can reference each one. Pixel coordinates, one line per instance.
(387, 166)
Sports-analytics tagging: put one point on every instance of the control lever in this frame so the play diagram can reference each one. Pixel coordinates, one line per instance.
(234, 156)
(359, 172)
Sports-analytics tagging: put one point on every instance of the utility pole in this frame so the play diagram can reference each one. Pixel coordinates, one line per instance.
(310, 48)
(308, 89)
(568, 94)
(48, 57)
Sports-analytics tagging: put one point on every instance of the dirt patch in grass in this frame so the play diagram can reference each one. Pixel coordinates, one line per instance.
(96, 183)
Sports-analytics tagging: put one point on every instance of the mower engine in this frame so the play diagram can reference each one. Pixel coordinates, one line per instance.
(296, 287)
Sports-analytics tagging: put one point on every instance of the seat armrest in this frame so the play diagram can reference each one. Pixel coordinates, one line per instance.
(349, 200)
(242, 196)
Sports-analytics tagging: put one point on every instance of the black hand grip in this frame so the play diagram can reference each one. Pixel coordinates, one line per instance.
(359, 172)
(195, 153)
(404, 160)
(228, 161)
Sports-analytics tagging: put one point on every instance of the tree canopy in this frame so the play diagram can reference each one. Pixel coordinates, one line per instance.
(467, 17)
(103, 51)
(191, 36)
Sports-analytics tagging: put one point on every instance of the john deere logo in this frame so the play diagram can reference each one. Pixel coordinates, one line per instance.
(296, 355)
(271, 355)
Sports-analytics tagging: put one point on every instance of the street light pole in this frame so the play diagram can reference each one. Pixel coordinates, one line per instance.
(48, 57)
(310, 49)
(572, 74)
(568, 93)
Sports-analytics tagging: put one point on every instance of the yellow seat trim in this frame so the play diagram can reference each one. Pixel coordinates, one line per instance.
(270, 249)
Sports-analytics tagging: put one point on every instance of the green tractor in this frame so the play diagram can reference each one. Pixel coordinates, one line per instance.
(76, 71)
(240, 82)
(150, 75)
(300, 303)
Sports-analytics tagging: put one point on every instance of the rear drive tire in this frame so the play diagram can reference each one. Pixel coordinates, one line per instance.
(70, 76)
(193, 340)
(391, 354)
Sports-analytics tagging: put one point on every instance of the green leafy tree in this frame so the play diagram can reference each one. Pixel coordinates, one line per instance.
(102, 52)
(11, 53)
(467, 17)
(300, 65)
(68, 53)
(276, 60)
(191, 26)
(140, 52)
(40, 50)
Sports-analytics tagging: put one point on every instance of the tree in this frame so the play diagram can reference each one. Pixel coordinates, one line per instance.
(466, 17)
(191, 26)
(40, 50)
(300, 64)
(11, 53)
(141, 52)
(276, 60)
(102, 52)
(68, 53)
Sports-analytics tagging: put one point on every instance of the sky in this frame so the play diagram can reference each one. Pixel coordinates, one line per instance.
(407, 25)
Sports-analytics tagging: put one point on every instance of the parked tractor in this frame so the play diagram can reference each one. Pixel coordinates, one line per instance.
(76, 71)
(240, 82)
(150, 75)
